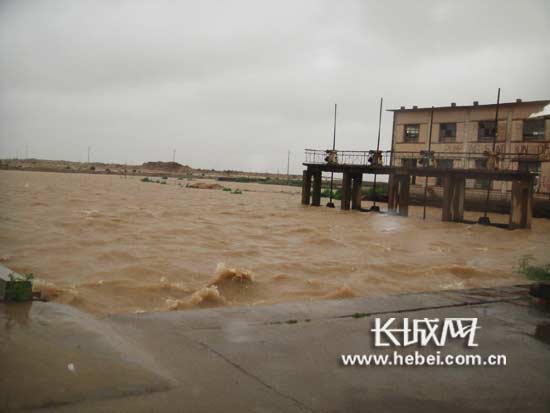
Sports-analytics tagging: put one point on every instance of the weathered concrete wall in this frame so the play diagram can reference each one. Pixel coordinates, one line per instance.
(509, 140)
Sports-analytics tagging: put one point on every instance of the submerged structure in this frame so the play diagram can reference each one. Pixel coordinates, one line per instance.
(486, 149)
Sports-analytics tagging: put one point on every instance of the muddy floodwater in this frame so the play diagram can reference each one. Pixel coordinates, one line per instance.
(109, 244)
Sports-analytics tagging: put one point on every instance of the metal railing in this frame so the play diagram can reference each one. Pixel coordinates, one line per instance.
(450, 160)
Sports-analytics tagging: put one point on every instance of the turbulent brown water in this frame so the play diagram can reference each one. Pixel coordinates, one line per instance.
(109, 244)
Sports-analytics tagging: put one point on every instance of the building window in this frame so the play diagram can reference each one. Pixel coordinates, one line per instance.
(443, 164)
(482, 183)
(533, 129)
(486, 130)
(447, 132)
(412, 132)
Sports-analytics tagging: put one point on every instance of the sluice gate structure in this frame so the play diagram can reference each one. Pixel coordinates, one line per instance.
(354, 164)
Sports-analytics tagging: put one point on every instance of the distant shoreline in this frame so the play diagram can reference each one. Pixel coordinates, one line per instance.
(170, 169)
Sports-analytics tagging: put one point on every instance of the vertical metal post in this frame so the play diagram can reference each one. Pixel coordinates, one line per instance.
(377, 149)
(330, 203)
(485, 220)
(429, 150)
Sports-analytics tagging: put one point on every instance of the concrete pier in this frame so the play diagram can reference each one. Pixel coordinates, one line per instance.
(316, 192)
(454, 187)
(346, 191)
(398, 194)
(521, 211)
(306, 187)
(356, 191)
(453, 198)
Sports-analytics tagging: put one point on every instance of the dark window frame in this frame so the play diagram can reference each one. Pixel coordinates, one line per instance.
(406, 137)
(492, 130)
(530, 135)
(450, 134)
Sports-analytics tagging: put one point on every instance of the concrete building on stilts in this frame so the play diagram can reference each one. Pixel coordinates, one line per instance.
(458, 152)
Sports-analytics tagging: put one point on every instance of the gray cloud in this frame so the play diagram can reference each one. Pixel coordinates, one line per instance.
(237, 84)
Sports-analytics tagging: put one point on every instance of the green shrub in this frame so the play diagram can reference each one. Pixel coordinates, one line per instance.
(226, 189)
(380, 190)
(335, 194)
(237, 191)
(533, 272)
(146, 179)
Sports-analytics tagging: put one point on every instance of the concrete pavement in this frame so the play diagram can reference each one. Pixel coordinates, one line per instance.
(276, 358)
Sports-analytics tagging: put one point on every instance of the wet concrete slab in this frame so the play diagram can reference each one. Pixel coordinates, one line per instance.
(270, 359)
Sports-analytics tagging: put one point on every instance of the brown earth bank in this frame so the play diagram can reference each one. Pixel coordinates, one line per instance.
(152, 168)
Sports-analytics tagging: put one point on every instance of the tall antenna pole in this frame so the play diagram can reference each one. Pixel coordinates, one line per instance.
(429, 155)
(174, 155)
(330, 204)
(374, 207)
(485, 219)
(496, 121)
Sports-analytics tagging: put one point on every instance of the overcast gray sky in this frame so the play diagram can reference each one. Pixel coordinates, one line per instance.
(235, 84)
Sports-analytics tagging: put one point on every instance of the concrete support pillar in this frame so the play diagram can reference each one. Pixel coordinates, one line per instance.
(404, 186)
(453, 198)
(446, 212)
(306, 187)
(398, 194)
(346, 191)
(316, 193)
(393, 185)
(458, 198)
(521, 208)
(357, 194)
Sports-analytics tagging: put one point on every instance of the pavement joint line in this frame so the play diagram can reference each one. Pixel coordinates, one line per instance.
(253, 376)
(510, 300)
(437, 307)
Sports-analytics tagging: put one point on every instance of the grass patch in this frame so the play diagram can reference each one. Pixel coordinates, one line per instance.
(381, 190)
(226, 189)
(146, 179)
(237, 192)
(280, 181)
(533, 272)
(261, 180)
(335, 194)
(360, 315)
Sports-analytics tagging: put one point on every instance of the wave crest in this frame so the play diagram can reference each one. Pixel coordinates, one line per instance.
(224, 274)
